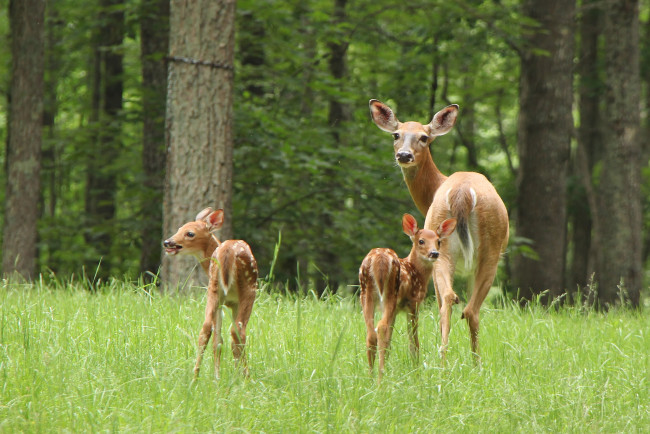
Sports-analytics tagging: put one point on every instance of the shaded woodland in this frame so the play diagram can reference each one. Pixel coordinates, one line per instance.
(122, 119)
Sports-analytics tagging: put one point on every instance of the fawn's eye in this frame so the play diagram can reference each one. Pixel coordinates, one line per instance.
(424, 138)
(395, 136)
(190, 235)
(439, 243)
(421, 242)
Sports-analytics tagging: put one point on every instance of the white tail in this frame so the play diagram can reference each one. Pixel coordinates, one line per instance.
(399, 285)
(232, 272)
(482, 229)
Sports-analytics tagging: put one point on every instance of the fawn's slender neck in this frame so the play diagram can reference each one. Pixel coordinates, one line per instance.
(423, 181)
(421, 266)
(210, 246)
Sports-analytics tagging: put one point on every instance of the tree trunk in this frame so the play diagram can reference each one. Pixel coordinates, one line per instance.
(25, 137)
(252, 42)
(50, 152)
(619, 192)
(588, 149)
(646, 144)
(466, 128)
(101, 181)
(435, 70)
(199, 121)
(310, 52)
(338, 115)
(51, 147)
(338, 111)
(154, 46)
(545, 128)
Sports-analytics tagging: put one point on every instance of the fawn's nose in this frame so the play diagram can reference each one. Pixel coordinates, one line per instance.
(404, 157)
(434, 254)
(168, 244)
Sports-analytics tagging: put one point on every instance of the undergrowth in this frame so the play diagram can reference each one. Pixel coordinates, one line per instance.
(119, 357)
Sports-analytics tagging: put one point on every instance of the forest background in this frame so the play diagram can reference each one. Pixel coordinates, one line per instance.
(553, 97)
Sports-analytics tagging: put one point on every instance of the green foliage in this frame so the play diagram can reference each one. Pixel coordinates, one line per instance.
(335, 191)
(71, 143)
(121, 360)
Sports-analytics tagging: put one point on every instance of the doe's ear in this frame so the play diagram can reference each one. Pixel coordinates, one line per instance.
(203, 214)
(214, 220)
(409, 225)
(446, 228)
(383, 116)
(443, 121)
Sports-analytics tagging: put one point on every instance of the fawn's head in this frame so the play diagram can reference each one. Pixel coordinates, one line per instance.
(412, 138)
(426, 243)
(193, 237)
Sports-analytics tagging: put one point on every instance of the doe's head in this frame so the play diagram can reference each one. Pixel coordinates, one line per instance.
(192, 237)
(411, 139)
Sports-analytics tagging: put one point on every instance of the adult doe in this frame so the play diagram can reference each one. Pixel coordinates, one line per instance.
(482, 229)
(232, 272)
(399, 285)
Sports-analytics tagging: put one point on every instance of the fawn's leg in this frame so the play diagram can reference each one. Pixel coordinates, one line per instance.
(241, 313)
(368, 307)
(412, 325)
(384, 332)
(217, 340)
(206, 331)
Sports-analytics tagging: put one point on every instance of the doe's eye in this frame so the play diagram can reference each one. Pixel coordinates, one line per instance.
(424, 138)
(395, 136)
(421, 242)
(190, 235)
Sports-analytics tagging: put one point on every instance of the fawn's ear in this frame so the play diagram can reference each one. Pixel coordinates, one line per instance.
(443, 121)
(383, 116)
(214, 220)
(446, 228)
(203, 214)
(409, 225)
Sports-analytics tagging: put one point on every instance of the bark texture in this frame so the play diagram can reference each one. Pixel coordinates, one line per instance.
(619, 193)
(101, 184)
(545, 128)
(589, 147)
(154, 31)
(199, 122)
(25, 138)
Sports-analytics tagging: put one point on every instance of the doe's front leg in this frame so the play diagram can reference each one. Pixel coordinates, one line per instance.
(443, 279)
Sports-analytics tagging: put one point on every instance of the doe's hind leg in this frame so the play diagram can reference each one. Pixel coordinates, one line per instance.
(483, 280)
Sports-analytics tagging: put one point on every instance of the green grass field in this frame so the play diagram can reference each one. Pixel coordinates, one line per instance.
(121, 360)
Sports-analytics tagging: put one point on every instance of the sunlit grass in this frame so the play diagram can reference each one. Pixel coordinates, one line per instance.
(121, 359)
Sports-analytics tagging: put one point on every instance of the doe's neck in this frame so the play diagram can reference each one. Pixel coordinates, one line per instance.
(423, 180)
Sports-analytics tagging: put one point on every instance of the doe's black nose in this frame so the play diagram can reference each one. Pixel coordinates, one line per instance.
(168, 244)
(404, 157)
(434, 254)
